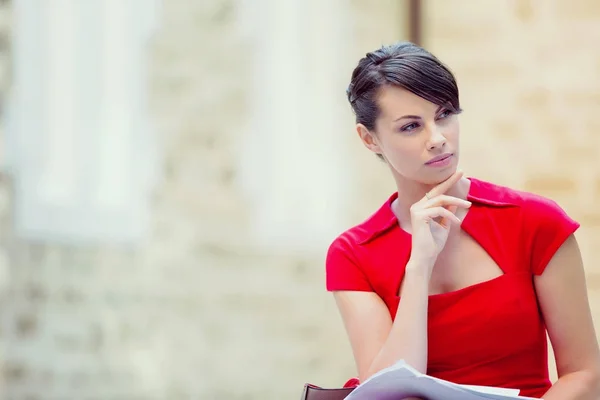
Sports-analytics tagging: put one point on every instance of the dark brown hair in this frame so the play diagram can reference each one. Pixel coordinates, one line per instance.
(405, 65)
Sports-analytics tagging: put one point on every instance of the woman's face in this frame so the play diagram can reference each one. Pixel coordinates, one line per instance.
(418, 139)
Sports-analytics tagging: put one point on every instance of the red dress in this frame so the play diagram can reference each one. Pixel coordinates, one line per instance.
(491, 333)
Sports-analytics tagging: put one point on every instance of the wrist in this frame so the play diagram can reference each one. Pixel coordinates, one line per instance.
(417, 275)
(420, 264)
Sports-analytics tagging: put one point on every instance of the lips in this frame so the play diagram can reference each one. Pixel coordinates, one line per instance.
(439, 158)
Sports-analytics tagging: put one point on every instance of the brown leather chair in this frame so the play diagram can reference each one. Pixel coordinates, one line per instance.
(312, 392)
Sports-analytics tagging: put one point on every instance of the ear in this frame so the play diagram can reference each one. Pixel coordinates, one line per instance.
(368, 138)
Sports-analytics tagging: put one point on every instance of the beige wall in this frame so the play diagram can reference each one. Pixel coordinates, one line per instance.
(200, 312)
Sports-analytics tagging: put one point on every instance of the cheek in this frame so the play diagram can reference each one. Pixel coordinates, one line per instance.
(402, 151)
(452, 136)
(404, 154)
(452, 130)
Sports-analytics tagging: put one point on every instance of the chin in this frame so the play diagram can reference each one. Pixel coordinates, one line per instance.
(440, 176)
(428, 176)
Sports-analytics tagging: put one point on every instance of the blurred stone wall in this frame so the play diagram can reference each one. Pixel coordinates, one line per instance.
(197, 313)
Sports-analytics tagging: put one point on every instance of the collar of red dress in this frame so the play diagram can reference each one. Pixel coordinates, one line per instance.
(480, 192)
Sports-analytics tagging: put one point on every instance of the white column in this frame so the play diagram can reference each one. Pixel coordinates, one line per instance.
(81, 148)
(294, 156)
(59, 145)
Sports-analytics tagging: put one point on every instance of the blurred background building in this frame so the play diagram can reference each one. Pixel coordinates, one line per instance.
(172, 173)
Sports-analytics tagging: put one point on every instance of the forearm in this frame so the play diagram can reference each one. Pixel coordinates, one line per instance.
(408, 337)
(582, 385)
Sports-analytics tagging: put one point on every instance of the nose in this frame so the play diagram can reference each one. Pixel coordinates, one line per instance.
(436, 139)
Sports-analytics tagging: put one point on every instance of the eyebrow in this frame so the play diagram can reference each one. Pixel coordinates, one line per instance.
(416, 116)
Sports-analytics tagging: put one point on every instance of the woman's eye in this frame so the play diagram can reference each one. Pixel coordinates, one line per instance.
(410, 127)
(445, 114)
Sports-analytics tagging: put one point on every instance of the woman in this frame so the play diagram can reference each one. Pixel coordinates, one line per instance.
(482, 271)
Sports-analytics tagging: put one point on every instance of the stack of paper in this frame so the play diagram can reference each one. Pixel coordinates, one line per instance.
(401, 381)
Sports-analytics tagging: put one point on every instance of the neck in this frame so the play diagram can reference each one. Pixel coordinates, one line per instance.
(410, 192)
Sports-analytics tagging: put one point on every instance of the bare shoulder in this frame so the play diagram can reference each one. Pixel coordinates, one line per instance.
(563, 299)
(367, 322)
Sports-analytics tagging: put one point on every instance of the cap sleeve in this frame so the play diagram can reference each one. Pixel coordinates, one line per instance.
(548, 226)
(343, 272)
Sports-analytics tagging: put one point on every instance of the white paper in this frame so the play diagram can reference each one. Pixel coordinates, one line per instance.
(400, 381)
(492, 390)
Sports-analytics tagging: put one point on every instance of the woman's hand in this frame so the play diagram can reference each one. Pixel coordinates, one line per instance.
(431, 218)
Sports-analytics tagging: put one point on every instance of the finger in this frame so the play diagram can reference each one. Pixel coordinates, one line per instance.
(445, 185)
(445, 222)
(429, 214)
(446, 201)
